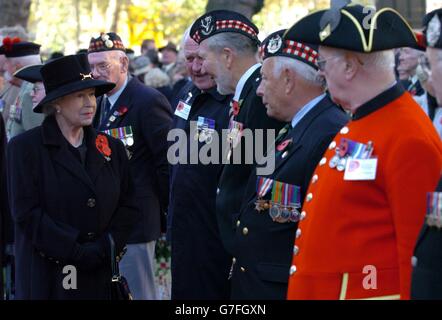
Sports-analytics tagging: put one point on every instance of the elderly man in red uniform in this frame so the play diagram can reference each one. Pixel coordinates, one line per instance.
(366, 199)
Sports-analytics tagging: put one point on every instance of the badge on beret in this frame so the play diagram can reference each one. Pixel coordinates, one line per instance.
(275, 44)
(433, 31)
(207, 25)
(106, 39)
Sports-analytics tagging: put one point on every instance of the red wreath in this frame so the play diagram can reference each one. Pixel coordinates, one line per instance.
(103, 146)
(8, 43)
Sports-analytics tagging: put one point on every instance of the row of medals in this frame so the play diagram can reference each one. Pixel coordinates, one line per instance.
(278, 212)
(340, 163)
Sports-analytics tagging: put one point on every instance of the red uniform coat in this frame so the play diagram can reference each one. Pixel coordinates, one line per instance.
(352, 227)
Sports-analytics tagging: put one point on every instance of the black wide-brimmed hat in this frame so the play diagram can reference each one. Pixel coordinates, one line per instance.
(218, 21)
(30, 73)
(433, 29)
(354, 27)
(275, 45)
(67, 75)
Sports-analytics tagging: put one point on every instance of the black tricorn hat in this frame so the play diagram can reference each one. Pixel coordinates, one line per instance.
(67, 75)
(433, 29)
(355, 28)
(276, 45)
(218, 21)
(30, 73)
(106, 42)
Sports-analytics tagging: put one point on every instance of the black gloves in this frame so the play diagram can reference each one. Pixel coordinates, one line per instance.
(91, 255)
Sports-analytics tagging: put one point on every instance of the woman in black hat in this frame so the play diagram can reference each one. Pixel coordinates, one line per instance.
(69, 189)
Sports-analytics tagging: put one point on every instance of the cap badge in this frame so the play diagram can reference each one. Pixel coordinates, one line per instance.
(275, 44)
(106, 39)
(433, 31)
(325, 33)
(86, 76)
(207, 25)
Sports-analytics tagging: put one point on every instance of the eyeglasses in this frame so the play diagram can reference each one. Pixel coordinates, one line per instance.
(36, 89)
(101, 67)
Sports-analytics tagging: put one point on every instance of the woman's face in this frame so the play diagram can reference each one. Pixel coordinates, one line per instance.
(78, 108)
(37, 93)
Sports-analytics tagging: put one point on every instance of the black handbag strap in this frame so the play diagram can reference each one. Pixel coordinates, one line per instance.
(114, 263)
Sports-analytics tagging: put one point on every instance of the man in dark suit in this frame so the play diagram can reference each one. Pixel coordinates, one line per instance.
(427, 260)
(228, 45)
(200, 264)
(141, 117)
(266, 227)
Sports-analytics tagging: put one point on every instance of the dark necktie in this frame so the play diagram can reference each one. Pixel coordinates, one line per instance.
(105, 111)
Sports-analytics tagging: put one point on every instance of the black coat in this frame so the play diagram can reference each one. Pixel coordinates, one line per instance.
(233, 180)
(5, 221)
(263, 248)
(150, 116)
(200, 264)
(426, 282)
(56, 202)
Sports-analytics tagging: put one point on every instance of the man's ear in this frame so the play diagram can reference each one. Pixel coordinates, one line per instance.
(124, 64)
(228, 55)
(352, 65)
(289, 78)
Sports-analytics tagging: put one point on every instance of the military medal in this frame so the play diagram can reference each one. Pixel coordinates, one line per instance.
(205, 130)
(235, 133)
(263, 185)
(347, 150)
(286, 198)
(125, 134)
(434, 209)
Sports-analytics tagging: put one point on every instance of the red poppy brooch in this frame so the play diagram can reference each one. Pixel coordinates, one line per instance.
(103, 146)
(284, 145)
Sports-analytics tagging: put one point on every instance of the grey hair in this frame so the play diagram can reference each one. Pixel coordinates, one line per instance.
(236, 41)
(378, 60)
(26, 60)
(12, 32)
(308, 73)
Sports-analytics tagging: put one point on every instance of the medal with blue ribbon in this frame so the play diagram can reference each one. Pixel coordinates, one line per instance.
(263, 185)
(205, 129)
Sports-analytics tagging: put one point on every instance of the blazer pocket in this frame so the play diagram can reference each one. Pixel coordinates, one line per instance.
(273, 272)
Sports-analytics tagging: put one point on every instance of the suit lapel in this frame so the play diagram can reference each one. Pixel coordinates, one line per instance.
(94, 159)
(297, 133)
(58, 148)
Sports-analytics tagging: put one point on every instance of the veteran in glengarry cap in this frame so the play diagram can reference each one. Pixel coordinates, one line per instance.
(363, 212)
(292, 92)
(140, 117)
(228, 46)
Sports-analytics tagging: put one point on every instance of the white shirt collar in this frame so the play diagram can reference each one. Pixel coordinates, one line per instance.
(242, 81)
(113, 98)
(305, 109)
